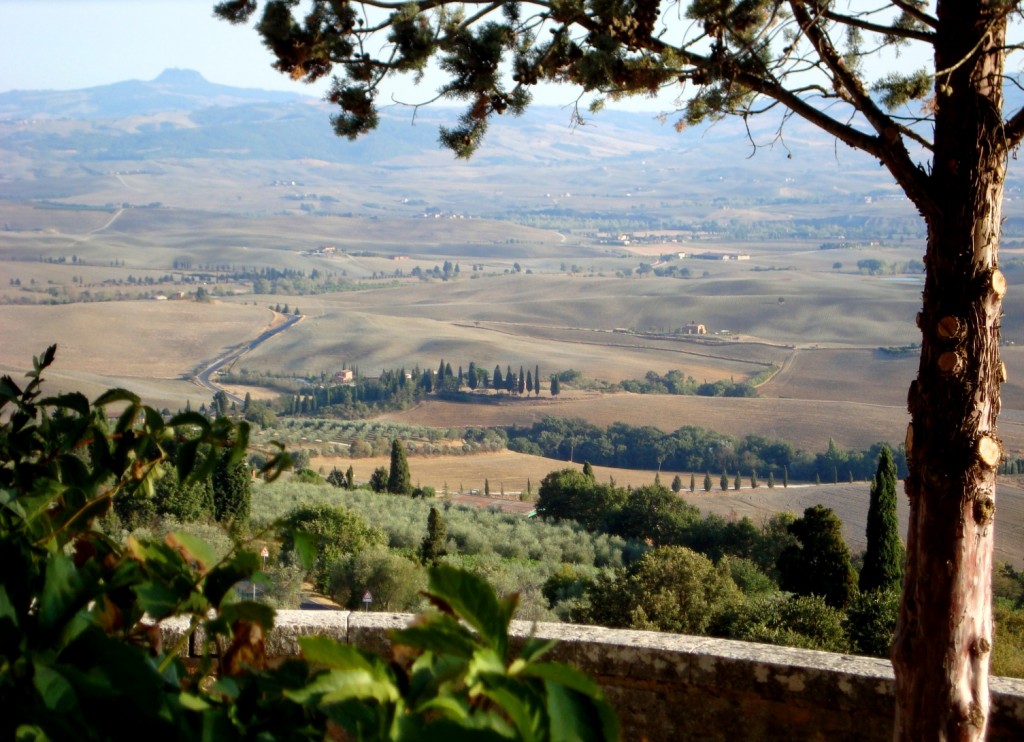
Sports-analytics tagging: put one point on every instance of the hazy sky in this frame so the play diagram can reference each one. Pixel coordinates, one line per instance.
(70, 44)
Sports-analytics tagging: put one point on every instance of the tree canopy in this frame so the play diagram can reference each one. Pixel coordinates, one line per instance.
(820, 564)
(716, 58)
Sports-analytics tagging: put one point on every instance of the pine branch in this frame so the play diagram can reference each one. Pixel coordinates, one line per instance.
(903, 33)
(888, 145)
(916, 13)
(1013, 130)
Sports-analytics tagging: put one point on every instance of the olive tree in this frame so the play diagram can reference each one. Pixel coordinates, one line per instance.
(939, 130)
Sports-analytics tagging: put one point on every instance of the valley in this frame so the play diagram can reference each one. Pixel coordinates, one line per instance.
(148, 246)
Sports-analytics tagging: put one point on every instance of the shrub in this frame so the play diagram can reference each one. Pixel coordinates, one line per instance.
(325, 535)
(797, 621)
(670, 589)
(395, 583)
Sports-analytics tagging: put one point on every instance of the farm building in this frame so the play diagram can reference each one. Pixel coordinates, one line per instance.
(695, 329)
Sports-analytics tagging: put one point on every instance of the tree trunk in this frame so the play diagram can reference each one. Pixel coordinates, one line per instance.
(944, 634)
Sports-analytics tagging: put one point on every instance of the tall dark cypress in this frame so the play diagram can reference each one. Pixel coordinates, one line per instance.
(231, 492)
(432, 548)
(399, 480)
(883, 560)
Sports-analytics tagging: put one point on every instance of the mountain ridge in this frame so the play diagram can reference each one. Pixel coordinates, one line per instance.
(174, 89)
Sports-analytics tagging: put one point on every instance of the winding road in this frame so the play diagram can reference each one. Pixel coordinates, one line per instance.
(204, 377)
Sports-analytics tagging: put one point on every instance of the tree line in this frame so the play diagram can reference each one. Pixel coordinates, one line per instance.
(692, 449)
(400, 388)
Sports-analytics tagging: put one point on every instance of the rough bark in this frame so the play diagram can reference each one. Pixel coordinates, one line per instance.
(944, 634)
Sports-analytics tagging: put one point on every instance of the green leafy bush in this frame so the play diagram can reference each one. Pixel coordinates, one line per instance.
(797, 621)
(670, 589)
(322, 535)
(871, 621)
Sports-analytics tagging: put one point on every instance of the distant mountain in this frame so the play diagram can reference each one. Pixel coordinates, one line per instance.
(182, 115)
(174, 90)
(535, 162)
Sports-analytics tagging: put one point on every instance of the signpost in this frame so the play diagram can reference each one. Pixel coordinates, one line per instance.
(367, 599)
(265, 553)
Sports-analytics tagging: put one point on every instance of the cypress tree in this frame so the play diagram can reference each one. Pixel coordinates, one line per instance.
(785, 476)
(723, 481)
(883, 560)
(536, 381)
(588, 471)
(399, 481)
(231, 492)
(677, 484)
(556, 386)
(753, 479)
(736, 480)
(771, 480)
(433, 546)
(522, 381)
(693, 483)
(472, 380)
(529, 382)
(497, 380)
(707, 482)
(187, 501)
(350, 478)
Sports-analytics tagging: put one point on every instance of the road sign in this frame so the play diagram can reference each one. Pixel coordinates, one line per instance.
(265, 552)
(367, 597)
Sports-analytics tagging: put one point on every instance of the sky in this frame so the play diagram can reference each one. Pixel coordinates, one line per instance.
(72, 44)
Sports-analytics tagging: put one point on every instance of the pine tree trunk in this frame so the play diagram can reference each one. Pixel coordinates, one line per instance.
(944, 635)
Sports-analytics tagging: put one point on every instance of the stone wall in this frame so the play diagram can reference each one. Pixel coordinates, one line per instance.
(673, 687)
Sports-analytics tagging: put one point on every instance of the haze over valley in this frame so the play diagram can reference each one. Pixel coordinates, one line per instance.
(589, 248)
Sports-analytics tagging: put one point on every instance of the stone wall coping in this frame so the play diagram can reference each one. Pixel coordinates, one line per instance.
(340, 625)
(638, 668)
